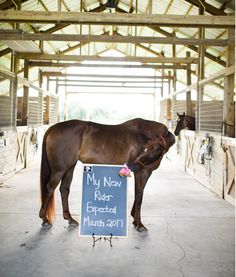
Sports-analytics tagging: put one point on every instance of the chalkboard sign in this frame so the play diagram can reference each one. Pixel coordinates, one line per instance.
(104, 201)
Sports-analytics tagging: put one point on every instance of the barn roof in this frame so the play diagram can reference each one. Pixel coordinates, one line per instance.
(215, 54)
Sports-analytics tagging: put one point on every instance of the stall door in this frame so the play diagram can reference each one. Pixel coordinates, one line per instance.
(21, 150)
(229, 182)
(189, 158)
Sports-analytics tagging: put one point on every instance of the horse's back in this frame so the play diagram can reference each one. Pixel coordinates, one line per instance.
(92, 142)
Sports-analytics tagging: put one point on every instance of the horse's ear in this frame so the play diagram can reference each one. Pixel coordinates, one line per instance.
(177, 114)
(184, 114)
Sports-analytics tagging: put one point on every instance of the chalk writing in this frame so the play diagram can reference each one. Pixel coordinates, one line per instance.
(104, 201)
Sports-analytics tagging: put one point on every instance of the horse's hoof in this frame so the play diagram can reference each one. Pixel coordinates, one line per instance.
(46, 224)
(73, 222)
(142, 229)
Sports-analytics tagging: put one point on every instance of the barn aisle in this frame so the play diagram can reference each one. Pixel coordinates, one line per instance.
(191, 232)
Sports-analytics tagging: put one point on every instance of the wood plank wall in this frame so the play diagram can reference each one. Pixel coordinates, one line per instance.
(212, 174)
(9, 153)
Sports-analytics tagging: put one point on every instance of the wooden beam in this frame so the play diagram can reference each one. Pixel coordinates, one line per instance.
(25, 104)
(118, 19)
(104, 86)
(229, 108)
(5, 51)
(52, 64)
(122, 82)
(47, 109)
(65, 75)
(13, 35)
(192, 47)
(200, 71)
(220, 74)
(60, 57)
(188, 93)
(9, 4)
(8, 75)
(111, 92)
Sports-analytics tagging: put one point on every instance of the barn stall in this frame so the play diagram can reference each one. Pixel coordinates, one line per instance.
(214, 117)
(180, 55)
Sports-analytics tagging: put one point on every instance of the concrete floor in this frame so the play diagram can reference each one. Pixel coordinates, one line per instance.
(191, 233)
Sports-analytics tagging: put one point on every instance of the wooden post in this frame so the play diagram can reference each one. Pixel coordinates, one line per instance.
(24, 118)
(174, 71)
(229, 109)
(174, 80)
(169, 83)
(168, 115)
(162, 84)
(48, 82)
(13, 89)
(65, 106)
(40, 79)
(59, 5)
(14, 83)
(150, 6)
(47, 110)
(57, 86)
(188, 107)
(201, 73)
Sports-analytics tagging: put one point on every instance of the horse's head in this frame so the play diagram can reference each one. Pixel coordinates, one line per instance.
(181, 123)
(184, 122)
(151, 157)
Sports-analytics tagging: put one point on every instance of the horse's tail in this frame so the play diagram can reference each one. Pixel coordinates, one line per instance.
(45, 174)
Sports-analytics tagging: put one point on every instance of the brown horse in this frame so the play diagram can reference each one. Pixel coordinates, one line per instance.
(139, 143)
(184, 122)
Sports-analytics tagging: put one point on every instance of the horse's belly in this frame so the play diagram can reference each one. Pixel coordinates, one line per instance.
(100, 156)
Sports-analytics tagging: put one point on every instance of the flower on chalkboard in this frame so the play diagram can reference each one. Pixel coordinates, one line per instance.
(125, 171)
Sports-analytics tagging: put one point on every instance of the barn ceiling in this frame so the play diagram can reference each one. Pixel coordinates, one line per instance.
(215, 54)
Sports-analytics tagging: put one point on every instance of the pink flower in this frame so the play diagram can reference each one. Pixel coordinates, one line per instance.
(125, 171)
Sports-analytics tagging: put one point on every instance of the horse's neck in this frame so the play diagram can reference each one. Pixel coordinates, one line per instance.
(190, 122)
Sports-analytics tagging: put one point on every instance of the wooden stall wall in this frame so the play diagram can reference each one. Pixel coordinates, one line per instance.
(229, 173)
(179, 106)
(210, 116)
(8, 154)
(19, 148)
(217, 174)
(186, 149)
(165, 111)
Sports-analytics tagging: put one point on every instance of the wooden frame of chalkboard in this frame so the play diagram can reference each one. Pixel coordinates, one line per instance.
(104, 201)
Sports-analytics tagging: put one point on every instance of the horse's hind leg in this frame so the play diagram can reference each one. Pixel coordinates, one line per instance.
(47, 209)
(65, 190)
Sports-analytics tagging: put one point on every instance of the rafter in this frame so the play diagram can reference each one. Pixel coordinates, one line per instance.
(60, 57)
(209, 8)
(9, 4)
(5, 51)
(192, 47)
(75, 64)
(118, 19)
(106, 76)
(15, 35)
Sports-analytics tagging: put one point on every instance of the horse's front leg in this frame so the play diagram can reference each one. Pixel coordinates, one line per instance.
(141, 178)
(65, 191)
